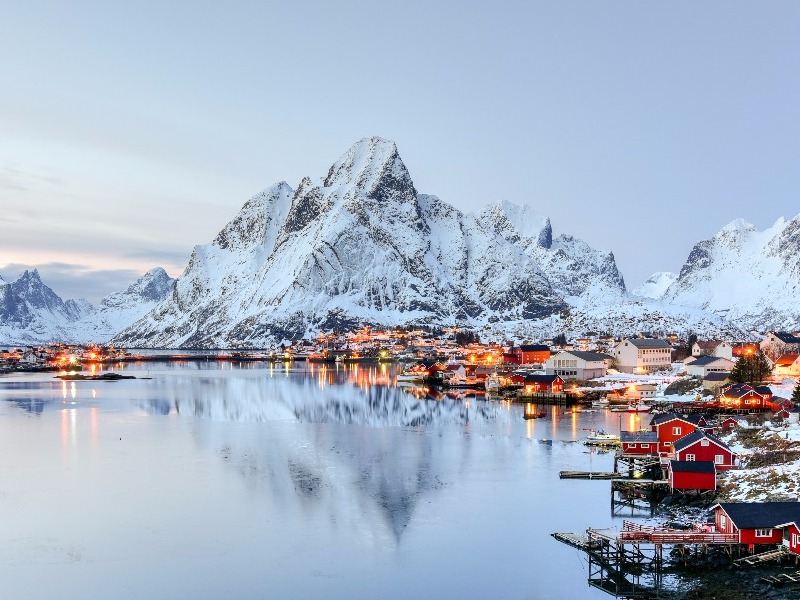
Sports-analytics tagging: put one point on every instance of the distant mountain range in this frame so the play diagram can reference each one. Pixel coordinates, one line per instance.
(361, 245)
(31, 313)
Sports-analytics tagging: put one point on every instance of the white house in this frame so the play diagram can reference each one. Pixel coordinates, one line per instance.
(577, 364)
(712, 348)
(776, 343)
(642, 355)
(787, 365)
(703, 365)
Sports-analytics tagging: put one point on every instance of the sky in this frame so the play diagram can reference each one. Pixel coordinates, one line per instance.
(130, 132)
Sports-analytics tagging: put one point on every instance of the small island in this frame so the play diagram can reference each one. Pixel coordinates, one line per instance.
(101, 377)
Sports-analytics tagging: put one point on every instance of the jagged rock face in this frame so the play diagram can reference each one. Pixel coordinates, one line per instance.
(361, 245)
(746, 275)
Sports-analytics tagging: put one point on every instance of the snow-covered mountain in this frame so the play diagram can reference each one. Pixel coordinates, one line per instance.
(118, 310)
(361, 245)
(655, 286)
(745, 275)
(32, 313)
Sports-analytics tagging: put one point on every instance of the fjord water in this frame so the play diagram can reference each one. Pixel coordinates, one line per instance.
(220, 480)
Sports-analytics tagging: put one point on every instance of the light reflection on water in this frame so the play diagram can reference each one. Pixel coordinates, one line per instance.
(322, 481)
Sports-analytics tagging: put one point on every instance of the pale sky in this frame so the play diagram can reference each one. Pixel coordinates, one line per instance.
(129, 132)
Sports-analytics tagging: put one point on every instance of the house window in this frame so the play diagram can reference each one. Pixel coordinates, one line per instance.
(719, 459)
(690, 457)
(723, 522)
(795, 539)
(763, 532)
(676, 431)
(704, 442)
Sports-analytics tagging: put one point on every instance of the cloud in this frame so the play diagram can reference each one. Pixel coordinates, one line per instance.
(70, 280)
(12, 178)
(159, 257)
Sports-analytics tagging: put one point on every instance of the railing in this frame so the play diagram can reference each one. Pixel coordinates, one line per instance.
(665, 535)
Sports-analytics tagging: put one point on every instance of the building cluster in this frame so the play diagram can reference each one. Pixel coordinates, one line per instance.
(58, 356)
(689, 452)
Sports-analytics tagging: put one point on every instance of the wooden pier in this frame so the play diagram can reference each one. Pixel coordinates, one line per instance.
(544, 398)
(628, 563)
(606, 475)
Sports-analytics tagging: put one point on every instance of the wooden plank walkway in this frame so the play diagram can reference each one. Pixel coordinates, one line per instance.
(763, 557)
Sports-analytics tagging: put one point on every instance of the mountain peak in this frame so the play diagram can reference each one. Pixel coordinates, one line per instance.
(373, 165)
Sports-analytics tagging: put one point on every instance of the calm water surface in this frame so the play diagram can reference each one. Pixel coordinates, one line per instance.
(212, 480)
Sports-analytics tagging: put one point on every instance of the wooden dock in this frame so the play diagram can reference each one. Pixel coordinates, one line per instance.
(588, 475)
(576, 540)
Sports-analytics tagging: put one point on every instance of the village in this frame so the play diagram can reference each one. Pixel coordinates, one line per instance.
(724, 428)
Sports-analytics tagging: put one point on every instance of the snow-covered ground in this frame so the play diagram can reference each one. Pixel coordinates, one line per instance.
(779, 481)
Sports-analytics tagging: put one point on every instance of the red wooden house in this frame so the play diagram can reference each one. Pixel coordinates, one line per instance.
(543, 384)
(791, 535)
(639, 442)
(729, 424)
(670, 427)
(700, 445)
(745, 397)
(692, 475)
(533, 353)
(759, 522)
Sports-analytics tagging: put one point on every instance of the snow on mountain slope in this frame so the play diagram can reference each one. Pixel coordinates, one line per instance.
(118, 310)
(361, 245)
(656, 285)
(748, 276)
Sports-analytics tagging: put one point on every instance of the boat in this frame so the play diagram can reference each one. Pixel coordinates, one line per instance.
(405, 377)
(492, 383)
(600, 437)
(538, 415)
(415, 373)
(632, 407)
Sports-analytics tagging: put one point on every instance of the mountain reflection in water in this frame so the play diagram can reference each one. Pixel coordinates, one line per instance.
(265, 399)
(245, 481)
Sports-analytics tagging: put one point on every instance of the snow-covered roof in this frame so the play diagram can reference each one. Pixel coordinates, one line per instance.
(642, 343)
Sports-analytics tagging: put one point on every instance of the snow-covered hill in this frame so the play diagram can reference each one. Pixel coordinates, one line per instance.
(361, 245)
(747, 276)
